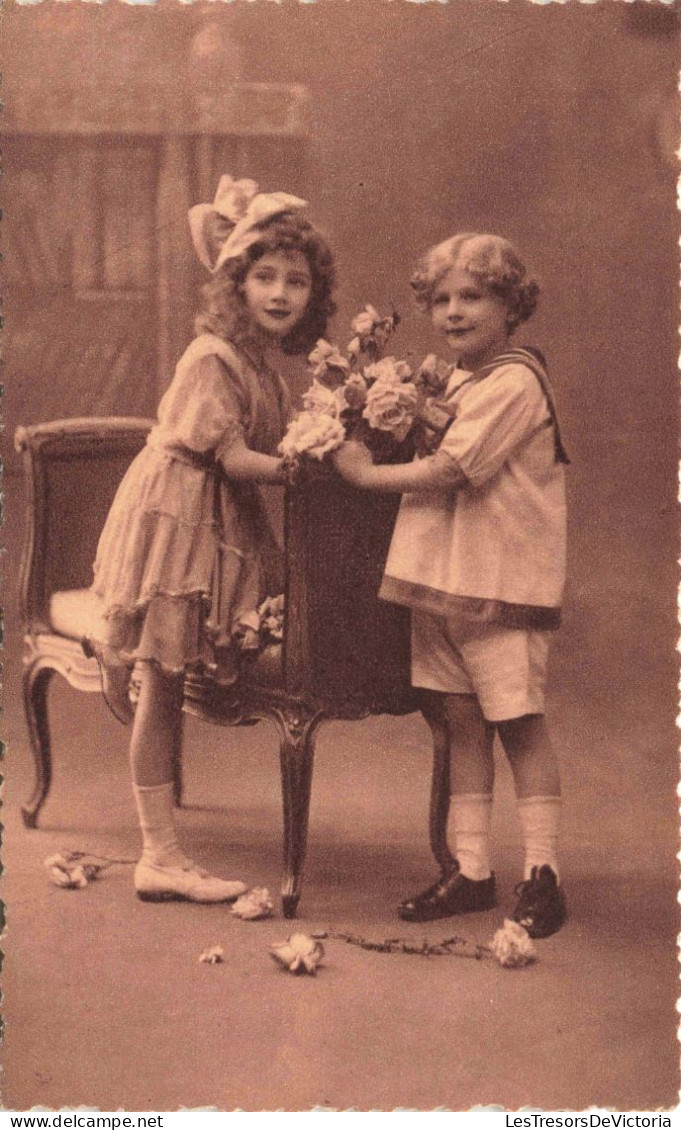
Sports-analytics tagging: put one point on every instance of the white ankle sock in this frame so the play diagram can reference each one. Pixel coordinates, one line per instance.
(540, 821)
(156, 810)
(471, 819)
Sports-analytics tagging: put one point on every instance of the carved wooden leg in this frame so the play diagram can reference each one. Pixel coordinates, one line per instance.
(36, 680)
(297, 733)
(433, 710)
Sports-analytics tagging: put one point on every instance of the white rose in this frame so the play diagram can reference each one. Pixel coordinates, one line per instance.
(363, 324)
(254, 904)
(299, 953)
(313, 434)
(389, 371)
(213, 956)
(327, 435)
(512, 946)
(320, 399)
(69, 878)
(321, 351)
(391, 407)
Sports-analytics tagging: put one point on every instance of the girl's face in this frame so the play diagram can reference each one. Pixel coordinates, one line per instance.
(472, 318)
(277, 290)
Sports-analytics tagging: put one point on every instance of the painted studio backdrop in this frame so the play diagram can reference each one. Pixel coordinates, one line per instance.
(555, 126)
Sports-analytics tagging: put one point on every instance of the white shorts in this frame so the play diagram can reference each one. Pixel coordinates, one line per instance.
(505, 668)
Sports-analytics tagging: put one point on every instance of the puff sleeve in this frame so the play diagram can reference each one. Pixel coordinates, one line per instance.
(205, 408)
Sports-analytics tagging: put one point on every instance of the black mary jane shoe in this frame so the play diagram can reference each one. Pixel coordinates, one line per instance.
(453, 893)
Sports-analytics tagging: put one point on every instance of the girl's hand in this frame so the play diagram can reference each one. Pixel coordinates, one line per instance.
(290, 469)
(353, 460)
(244, 465)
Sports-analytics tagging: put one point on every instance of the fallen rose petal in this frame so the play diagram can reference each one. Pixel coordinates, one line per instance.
(298, 954)
(69, 878)
(61, 859)
(256, 903)
(512, 946)
(213, 956)
(60, 876)
(283, 953)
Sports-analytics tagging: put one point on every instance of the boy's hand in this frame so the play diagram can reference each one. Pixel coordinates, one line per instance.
(352, 460)
(432, 421)
(437, 415)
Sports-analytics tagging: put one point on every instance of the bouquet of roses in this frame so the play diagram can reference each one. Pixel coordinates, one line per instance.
(363, 395)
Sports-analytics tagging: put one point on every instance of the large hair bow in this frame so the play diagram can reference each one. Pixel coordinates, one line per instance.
(227, 227)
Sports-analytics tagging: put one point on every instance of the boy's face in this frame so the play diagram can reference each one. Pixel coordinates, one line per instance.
(472, 318)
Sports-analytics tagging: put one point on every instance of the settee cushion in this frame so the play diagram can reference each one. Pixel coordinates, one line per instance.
(75, 613)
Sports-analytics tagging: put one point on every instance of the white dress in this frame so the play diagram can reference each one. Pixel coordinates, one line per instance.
(183, 558)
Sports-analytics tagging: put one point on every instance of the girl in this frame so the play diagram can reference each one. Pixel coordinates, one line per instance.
(179, 569)
(478, 554)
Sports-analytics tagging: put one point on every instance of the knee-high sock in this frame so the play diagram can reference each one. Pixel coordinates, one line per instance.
(470, 818)
(156, 810)
(540, 820)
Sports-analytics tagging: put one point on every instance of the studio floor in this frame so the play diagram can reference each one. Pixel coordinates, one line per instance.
(106, 1004)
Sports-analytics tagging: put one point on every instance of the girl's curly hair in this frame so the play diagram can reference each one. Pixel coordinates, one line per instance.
(225, 312)
(490, 259)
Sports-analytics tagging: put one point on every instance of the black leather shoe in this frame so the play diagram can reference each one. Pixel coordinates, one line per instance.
(451, 894)
(541, 906)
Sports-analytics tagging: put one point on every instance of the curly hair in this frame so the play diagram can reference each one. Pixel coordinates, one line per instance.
(491, 260)
(225, 312)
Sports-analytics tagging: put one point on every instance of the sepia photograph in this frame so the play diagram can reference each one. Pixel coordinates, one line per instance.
(340, 355)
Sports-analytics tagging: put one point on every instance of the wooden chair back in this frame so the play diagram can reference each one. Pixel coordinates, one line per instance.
(72, 471)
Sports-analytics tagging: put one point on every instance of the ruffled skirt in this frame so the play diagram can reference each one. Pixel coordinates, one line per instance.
(183, 561)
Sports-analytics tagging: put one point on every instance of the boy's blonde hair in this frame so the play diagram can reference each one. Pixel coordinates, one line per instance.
(491, 260)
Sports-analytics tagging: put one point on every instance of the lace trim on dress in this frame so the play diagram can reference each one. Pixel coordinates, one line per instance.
(126, 610)
(182, 522)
